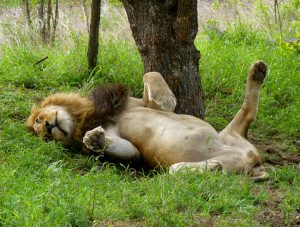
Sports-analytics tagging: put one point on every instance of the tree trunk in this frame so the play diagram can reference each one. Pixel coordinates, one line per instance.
(49, 17)
(27, 10)
(94, 33)
(86, 13)
(164, 32)
(55, 21)
(41, 14)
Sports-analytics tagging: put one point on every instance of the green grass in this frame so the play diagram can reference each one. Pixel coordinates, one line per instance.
(42, 184)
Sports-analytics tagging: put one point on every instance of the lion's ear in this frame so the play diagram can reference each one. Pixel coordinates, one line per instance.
(31, 119)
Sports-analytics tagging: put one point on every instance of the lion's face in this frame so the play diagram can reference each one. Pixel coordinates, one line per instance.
(52, 122)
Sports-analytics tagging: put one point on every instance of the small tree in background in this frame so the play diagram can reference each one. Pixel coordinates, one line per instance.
(47, 19)
(27, 12)
(86, 13)
(94, 34)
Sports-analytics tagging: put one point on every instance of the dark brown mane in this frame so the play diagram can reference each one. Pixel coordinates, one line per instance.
(109, 100)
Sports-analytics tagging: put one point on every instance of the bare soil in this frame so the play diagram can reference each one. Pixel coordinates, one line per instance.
(273, 155)
(272, 215)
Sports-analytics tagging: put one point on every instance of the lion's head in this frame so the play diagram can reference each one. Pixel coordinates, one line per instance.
(66, 117)
(60, 116)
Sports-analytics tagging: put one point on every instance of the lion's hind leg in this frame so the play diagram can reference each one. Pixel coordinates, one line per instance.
(110, 145)
(157, 94)
(247, 113)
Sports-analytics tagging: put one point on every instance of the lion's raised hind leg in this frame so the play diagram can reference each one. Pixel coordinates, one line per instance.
(157, 94)
(247, 113)
(109, 144)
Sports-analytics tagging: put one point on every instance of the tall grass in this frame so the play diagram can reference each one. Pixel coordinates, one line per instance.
(224, 64)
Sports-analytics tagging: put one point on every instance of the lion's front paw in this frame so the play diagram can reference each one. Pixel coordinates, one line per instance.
(258, 71)
(95, 139)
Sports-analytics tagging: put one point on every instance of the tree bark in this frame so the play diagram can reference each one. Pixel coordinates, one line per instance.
(41, 14)
(49, 16)
(86, 13)
(94, 33)
(55, 21)
(27, 10)
(164, 32)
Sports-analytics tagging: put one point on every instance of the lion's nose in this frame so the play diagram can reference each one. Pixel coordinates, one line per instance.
(49, 127)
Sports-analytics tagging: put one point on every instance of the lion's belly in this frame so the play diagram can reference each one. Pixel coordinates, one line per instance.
(166, 138)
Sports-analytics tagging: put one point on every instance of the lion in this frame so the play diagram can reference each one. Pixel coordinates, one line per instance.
(109, 122)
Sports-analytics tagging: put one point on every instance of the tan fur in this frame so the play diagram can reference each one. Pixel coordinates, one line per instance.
(146, 128)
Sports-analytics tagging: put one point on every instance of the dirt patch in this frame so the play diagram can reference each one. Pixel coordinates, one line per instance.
(296, 221)
(272, 215)
(275, 219)
(273, 155)
(204, 222)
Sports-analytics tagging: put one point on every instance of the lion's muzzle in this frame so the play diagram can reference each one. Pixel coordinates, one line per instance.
(49, 127)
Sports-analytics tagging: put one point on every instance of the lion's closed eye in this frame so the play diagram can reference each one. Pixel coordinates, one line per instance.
(37, 120)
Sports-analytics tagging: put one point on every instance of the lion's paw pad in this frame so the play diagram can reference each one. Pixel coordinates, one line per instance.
(259, 70)
(95, 139)
(214, 165)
